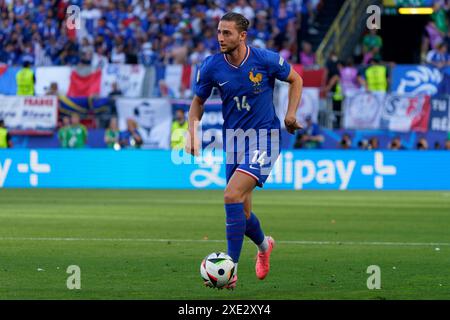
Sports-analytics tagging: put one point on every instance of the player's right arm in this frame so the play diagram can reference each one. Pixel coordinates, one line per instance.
(202, 89)
(281, 70)
(195, 115)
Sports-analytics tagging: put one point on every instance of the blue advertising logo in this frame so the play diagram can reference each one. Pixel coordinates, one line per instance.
(153, 169)
(416, 79)
(327, 173)
(31, 168)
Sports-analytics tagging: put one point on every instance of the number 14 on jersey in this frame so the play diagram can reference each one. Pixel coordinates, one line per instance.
(243, 105)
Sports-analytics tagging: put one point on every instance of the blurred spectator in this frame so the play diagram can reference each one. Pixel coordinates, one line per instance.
(447, 144)
(5, 137)
(348, 77)
(310, 136)
(115, 90)
(214, 12)
(437, 145)
(52, 90)
(375, 77)
(178, 130)
(77, 133)
(396, 144)
(243, 8)
(284, 20)
(9, 55)
(438, 57)
(27, 53)
(113, 95)
(285, 51)
(199, 54)
(130, 138)
(49, 29)
(439, 17)
(89, 15)
(41, 56)
(86, 51)
(363, 144)
(307, 56)
(422, 144)
(112, 134)
(261, 30)
(118, 55)
(105, 29)
(70, 54)
(372, 44)
(314, 6)
(99, 59)
(332, 66)
(25, 80)
(434, 35)
(333, 87)
(343, 84)
(374, 143)
(258, 43)
(63, 132)
(146, 55)
(346, 142)
(177, 51)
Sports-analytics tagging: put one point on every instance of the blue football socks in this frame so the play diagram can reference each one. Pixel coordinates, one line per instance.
(235, 227)
(254, 232)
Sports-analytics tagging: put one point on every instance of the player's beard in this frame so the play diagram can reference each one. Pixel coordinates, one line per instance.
(229, 50)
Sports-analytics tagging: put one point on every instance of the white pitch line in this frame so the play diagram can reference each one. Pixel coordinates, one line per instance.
(299, 242)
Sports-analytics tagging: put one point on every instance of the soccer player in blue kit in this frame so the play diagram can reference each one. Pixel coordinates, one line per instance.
(245, 77)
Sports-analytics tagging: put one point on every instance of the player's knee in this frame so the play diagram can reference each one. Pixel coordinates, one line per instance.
(232, 196)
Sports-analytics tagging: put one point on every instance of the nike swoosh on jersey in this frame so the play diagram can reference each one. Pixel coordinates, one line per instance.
(223, 83)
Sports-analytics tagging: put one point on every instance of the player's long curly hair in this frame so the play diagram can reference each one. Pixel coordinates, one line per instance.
(242, 22)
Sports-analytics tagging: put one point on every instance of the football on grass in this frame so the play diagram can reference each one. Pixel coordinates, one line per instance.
(217, 269)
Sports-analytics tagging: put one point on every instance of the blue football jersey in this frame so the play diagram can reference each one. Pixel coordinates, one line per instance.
(246, 90)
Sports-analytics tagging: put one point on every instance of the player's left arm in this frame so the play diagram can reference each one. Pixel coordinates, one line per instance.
(294, 96)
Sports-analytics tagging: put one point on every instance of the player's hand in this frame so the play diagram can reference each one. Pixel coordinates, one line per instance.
(192, 144)
(291, 124)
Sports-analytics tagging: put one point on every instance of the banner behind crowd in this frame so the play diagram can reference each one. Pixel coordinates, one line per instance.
(390, 111)
(29, 115)
(153, 117)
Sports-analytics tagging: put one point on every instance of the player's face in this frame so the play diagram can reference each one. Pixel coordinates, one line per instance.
(229, 36)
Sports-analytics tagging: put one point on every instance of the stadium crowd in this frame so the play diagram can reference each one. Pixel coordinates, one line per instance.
(436, 37)
(143, 31)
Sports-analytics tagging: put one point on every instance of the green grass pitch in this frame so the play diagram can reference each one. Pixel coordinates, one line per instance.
(148, 244)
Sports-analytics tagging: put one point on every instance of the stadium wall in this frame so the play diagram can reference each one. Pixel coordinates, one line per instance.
(159, 169)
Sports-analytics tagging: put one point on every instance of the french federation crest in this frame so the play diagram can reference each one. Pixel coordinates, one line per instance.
(256, 79)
